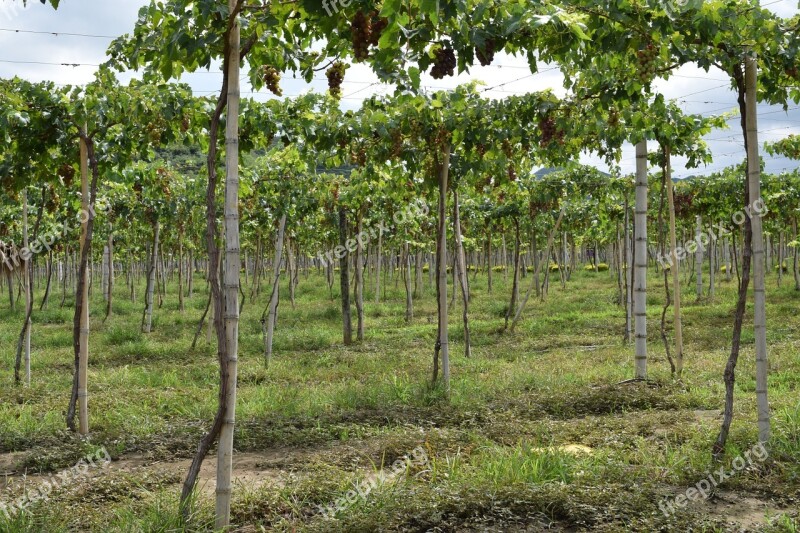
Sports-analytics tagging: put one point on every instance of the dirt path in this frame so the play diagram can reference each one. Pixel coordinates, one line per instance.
(745, 512)
(276, 468)
(250, 469)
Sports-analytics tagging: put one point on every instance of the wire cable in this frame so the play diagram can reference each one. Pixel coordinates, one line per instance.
(57, 33)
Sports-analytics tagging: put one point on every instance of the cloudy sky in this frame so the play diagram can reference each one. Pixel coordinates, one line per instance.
(80, 31)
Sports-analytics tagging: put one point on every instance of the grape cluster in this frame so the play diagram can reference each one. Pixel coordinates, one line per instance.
(52, 200)
(547, 125)
(397, 143)
(162, 183)
(647, 62)
(378, 25)
(486, 54)
(512, 173)
(442, 137)
(444, 64)
(360, 31)
(613, 117)
(365, 31)
(683, 203)
(481, 149)
(272, 79)
(507, 149)
(335, 76)
(67, 172)
(359, 158)
(156, 129)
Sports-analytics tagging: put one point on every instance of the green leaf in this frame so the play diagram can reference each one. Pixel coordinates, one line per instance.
(166, 69)
(431, 8)
(390, 8)
(414, 75)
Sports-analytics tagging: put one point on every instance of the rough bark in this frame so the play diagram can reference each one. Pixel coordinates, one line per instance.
(24, 341)
(147, 319)
(80, 324)
(232, 270)
(269, 316)
(181, 305)
(202, 321)
(110, 274)
(442, 348)
(698, 257)
(359, 281)
(461, 268)
(675, 269)
(754, 189)
(344, 279)
(780, 258)
(46, 296)
(795, 265)
(640, 262)
(489, 265)
(662, 241)
(213, 273)
(27, 280)
(741, 303)
(407, 283)
(378, 268)
(418, 271)
(512, 305)
(628, 253)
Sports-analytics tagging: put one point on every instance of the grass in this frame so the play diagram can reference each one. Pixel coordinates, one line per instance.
(325, 416)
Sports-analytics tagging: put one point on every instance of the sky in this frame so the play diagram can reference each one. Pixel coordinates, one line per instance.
(80, 31)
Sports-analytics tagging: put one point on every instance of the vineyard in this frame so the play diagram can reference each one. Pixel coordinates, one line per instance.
(454, 308)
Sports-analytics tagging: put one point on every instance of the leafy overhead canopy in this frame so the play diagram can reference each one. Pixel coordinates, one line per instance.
(34, 121)
(645, 40)
(682, 134)
(399, 39)
(40, 124)
(788, 147)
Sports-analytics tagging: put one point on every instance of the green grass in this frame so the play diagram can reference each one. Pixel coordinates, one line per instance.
(325, 416)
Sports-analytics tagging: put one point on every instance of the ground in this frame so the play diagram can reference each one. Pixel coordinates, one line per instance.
(542, 432)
